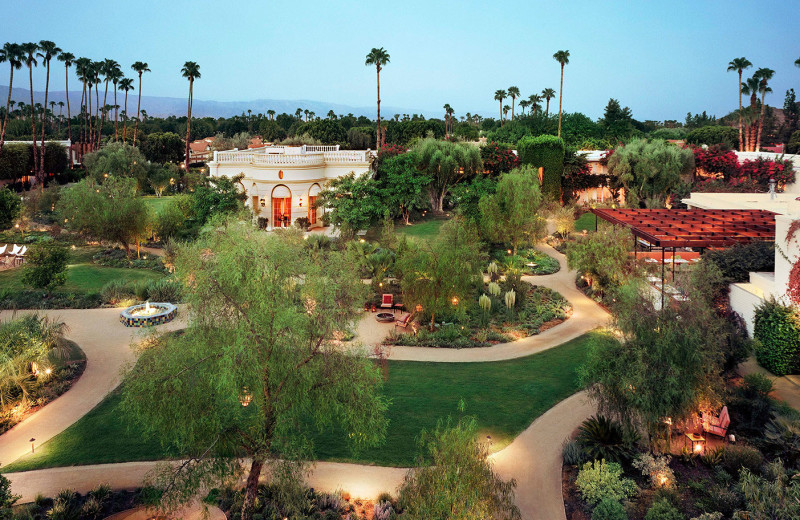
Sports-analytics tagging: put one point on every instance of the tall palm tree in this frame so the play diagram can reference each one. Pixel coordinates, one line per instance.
(82, 66)
(500, 95)
(271, 114)
(107, 69)
(97, 69)
(764, 75)
(506, 108)
(750, 87)
(331, 115)
(513, 92)
(523, 103)
(739, 64)
(11, 53)
(29, 51)
(562, 57)
(125, 85)
(60, 115)
(548, 94)
(139, 67)
(447, 108)
(190, 71)
(116, 76)
(47, 51)
(534, 100)
(299, 114)
(306, 112)
(379, 58)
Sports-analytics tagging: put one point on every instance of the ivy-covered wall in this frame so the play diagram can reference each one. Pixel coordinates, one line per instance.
(777, 328)
(545, 151)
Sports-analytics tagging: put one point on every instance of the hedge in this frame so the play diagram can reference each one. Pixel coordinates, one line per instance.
(710, 135)
(737, 262)
(777, 328)
(17, 160)
(545, 151)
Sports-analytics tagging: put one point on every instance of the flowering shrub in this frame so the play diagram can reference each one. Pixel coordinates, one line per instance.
(762, 170)
(390, 150)
(600, 480)
(734, 185)
(498, 159)
(716, 160)
(656, 469)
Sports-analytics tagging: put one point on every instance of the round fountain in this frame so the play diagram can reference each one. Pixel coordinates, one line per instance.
(148, 314)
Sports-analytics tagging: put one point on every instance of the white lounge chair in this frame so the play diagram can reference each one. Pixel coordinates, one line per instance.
(22, 251)
(15, 250)
(3, 249)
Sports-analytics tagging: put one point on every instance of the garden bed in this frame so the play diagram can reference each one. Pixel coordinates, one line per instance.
(530, 261)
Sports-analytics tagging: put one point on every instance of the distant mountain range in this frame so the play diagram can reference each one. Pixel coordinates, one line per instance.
(166, 106)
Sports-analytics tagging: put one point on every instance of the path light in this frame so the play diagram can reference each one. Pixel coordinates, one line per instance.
(508, 251)
(454, 301)
(33, 449)
(245, 397)
(361, 240)
(662, 480)
(419, 308)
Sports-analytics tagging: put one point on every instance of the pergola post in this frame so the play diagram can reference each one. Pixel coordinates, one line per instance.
(662, 278)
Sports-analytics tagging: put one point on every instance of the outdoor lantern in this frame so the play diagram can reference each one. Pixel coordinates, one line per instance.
(419, 308)
(245, 397)
(301, 202)
(508, 251)
(455, 300)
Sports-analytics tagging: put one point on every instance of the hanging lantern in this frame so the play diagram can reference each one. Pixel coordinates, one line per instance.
(245, 397)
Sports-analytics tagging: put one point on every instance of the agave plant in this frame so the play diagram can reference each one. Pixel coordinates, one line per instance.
(783, 436)
(603, 438)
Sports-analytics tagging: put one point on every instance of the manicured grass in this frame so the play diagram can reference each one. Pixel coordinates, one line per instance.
(505, 397)
(585, 221)
(157, 203)
(424, 230)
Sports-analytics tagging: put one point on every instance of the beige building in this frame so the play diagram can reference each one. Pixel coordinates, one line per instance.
(282, 182)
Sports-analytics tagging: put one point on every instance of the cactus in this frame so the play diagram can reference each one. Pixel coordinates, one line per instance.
(494, 289)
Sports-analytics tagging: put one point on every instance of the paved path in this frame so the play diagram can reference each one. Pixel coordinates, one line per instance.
(787, 388)
(106, 343)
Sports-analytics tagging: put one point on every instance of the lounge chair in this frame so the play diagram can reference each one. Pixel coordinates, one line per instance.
(717, 425)
(387, 302)
(3, 249)
(22, 251)
(15, 250)
(403, 321)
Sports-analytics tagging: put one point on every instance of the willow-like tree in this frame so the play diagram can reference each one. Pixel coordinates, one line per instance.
(509, 215)
(190, 71)
(446, 162)
(260, 368)
(562, 57)
(739, 65)
(379, 58)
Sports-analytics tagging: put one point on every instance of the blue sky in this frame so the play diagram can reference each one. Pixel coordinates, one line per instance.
(662, 59)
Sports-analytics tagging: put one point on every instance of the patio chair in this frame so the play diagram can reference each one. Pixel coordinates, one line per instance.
(717, 425)
(404, 320)
(3, 249)
(15, 250)
(387, 302)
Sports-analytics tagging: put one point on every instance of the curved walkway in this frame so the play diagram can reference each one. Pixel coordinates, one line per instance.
(533, 458)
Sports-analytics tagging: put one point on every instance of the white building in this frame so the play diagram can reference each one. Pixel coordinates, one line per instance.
(282, 182)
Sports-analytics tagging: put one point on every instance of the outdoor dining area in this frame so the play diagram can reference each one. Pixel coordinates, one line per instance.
(12, 255)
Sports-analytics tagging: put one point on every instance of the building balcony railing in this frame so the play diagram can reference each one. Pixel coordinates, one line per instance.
(312, 156)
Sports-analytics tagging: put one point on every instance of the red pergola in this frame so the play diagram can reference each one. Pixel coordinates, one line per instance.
(697, 228)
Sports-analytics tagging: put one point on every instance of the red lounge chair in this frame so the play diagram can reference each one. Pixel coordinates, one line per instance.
(404, 320)
(717, 425)
(387, 302)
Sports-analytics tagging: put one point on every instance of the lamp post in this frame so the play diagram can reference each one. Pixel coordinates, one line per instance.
(33, 449)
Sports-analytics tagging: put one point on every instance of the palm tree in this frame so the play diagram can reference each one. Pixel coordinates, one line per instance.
(108, 69)
(447, 110)
(739, 64)
(29, 50)
(299, 114)
(271, 114)
(562, 57)
(750, 87)
(48, 50)
(68, 58)
(190, 71)
(125, 85)
(534, 101)
(548, 94)
(523, 103)
(764, 75)
(331, 115)
(513, 92)
(139, 67)
(60, 115)
(82, 69)
(500, 95)
(506, 108)
(379, 58)
(11, 53)
(116, 76)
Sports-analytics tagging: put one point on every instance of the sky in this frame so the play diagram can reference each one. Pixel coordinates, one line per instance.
(661, 59)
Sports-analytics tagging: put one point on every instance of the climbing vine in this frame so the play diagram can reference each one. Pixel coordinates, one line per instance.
(793, 290)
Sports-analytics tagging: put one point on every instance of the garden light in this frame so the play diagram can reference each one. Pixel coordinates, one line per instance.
(508, 251)
(419, 308)
(245, 397)
(454, 301)
(33, 449)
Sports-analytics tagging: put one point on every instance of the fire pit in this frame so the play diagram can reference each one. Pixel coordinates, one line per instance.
(148, 314)
(385, 317)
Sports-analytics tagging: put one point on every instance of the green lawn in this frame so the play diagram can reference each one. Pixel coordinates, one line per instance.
(82, 275)
(585, 221)
(504, 396)
(425, 230)
(157, 203)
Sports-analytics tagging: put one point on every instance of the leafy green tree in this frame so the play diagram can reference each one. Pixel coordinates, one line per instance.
(10, 208)
(713, 135)
(439, 274)
(117, 159)
(602, 257)
(7, 498)
(163, 147)
(327, 131)
(353, 202)
(545, 151)
(447, 163)
(455, 479)
(108, 211)
(617, 122)
(649, 170)
(260, 369)
(467, 196)
(510, 215)
(218, 196)
(46, 266)
(175, 218)
(402, 187)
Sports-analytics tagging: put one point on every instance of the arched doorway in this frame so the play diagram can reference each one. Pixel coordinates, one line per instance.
(254, 199)
(281, 206)
(313, 191)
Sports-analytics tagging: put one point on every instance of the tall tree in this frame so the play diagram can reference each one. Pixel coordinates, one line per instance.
(116, 76)
(11, 53)
(97, 70)
(523, 104)
(139, 67)
(548, 94)
(446, 162)
(750, 114)
(108, 69)
(764, 75)
(739, 64)
(509, 215)
(562, 57)
(29, 50)
(500, 95)
(47, 51)
(292, 377)
(125, 85)
(82, 66)
(513, 92)
(379, 58)
(534, 101)
(190, 71)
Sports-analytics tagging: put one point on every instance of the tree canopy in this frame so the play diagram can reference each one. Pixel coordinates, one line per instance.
(447, 163)
(510, 214)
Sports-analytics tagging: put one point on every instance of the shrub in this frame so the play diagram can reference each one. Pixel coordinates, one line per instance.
(599, 480)
(116, 291)
(737, 262)
(751, 406)
(663, 510)
(736, 457)
(10, 208)
(498, 158)
(711, 135)
(302, 222)
(777, 327)
(656, 469)
(609, 509)
(571, 453)
(603, 438)
(46, 267)
(545, 151)
(709, 516)
(794, 143)
(164, 290)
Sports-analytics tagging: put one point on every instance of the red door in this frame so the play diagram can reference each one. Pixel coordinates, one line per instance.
(281, 212)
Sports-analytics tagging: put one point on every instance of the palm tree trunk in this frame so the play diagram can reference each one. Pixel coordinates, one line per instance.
(69, 117)
(740, 110)
(44, 121)
(125, 122)
(560, 97)
(548, 107)
(513, 102)
(116, 112)
(188, 126)
(103, 119)
(501, 112)
(379, 133)
(761, 120)
(138, 109)
(98, 124)
(8, 107)
(89, 121)
(33, 124)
